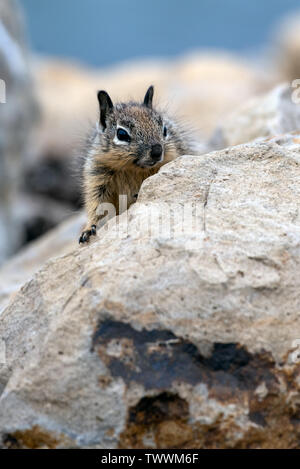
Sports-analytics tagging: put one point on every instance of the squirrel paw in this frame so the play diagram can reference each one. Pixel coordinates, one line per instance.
(85, 235)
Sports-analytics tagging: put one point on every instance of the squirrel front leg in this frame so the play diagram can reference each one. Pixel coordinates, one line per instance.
(96, 190)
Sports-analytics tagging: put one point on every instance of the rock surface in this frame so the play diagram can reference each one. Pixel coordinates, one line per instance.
(273, 114)
(159, 338)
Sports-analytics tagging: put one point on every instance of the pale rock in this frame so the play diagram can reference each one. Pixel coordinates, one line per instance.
(199, 89)
(286, 47)
(168, 338)
(273, 114)
(20, 268)
(18, 113)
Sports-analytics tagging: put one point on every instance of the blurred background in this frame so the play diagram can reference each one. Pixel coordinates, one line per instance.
(205, 58)
(100, 33)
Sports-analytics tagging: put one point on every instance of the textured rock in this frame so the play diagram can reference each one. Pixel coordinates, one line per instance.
(266, 116)
(181, 338)
(57, 242)
(17, 116)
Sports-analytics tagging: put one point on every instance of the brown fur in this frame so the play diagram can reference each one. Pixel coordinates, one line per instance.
(112, 169)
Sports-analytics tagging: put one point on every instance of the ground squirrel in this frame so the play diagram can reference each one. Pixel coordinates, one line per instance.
(130, 143)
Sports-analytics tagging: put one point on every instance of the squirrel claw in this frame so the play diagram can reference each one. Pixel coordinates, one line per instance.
(85, 235)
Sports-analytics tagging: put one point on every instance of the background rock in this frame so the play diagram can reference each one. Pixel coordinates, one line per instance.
(17, 117)
(286, 47)
(273, 114)
(168, 339)
(18, 270)
(198, 89)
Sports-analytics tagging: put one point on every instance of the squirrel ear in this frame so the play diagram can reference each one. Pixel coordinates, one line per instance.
(149, 97)
(106, 106)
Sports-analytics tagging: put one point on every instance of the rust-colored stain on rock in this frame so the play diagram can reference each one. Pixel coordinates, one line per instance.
(232, 376)
(33, 438)
(164, 417)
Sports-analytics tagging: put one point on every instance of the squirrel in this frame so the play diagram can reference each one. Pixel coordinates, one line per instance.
(130, 143)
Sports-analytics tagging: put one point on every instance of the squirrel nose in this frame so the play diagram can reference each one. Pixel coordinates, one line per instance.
(156, 152)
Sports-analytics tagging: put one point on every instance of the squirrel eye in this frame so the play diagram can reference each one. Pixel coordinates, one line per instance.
(165, 131)
(123, 135)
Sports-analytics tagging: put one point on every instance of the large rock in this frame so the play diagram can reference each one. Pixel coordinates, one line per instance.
(275, 113)
(181, 337)
(17, 117)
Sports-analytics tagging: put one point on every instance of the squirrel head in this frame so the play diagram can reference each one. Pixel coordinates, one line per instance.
(133, 133)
